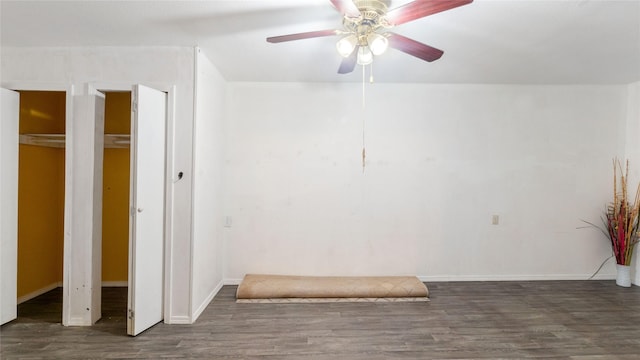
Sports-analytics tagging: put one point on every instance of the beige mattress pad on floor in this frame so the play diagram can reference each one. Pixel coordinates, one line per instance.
(338, 288)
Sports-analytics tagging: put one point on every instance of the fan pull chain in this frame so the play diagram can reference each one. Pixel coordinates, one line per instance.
(363, 116)
(363, 76)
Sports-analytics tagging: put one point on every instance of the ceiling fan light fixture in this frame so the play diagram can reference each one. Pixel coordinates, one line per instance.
(365, 57)
(377, 43)
(364, 24)
(346, 45)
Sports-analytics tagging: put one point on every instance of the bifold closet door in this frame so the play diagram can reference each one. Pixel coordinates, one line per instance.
(146, 242)
(9, 118)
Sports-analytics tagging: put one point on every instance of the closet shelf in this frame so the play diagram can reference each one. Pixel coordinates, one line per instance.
(111, 141)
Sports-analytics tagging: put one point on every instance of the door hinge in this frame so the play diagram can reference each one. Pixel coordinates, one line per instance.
(131, 314)
(133, 210)
(134, 106)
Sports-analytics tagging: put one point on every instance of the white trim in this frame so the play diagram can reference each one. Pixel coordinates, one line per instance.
(115, 284)
(37, 86)
(168, 230)
(112, 86)
(206, 301)
(181, 320)
(68, 210)
(35, 294)
(91, 90)
(453, 278)
(9, 183)
(77, 321)
(126, 86)
(194, 121)
(232, 281)
(462, 278)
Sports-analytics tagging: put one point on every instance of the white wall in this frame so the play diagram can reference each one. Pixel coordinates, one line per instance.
(632, 152)
(207, 185)
(153, 66)
(441, 160)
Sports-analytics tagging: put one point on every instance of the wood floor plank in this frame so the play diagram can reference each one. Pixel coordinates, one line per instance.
(578, 320)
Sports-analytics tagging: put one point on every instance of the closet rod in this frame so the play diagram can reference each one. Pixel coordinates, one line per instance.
(111, 141)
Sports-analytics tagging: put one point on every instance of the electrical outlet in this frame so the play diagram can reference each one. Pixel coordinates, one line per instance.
(495, 219)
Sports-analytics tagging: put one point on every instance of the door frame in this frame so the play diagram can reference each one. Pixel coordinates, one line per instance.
(9, 152)
(68, 166)
(169, 170)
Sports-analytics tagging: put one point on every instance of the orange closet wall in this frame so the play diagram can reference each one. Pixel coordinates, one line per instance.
(115, 204)
(40, 194)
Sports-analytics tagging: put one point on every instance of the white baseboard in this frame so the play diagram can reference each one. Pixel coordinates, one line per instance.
(115, 284)
(78, 321)
(206, 302)
(442, 278)
(178, 320)
(38, 292)
(231, 281)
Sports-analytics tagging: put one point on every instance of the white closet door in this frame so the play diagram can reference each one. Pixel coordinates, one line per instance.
(82, 271)
(146, 243)
(9, 117)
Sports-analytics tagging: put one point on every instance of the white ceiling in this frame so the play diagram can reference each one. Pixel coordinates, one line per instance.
(487, 41)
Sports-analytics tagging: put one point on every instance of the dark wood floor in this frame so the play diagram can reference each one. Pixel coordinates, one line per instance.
(464, 320)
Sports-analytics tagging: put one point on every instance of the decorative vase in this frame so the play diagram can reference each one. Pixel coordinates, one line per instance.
(623, 276)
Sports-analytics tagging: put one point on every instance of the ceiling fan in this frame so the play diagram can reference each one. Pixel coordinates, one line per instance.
(366, 25)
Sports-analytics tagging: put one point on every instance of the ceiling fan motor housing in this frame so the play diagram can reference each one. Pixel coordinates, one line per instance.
(370, 20)
(379, 7)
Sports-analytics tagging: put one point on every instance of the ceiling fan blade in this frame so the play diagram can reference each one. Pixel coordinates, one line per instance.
(414, 48)
(300, 36)
(348, 64)
(346, 7)
(421, 8)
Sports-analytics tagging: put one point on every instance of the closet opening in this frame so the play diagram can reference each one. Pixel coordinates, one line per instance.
(134, 233)
(132, 239)
(115, 208)
(41, 202)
